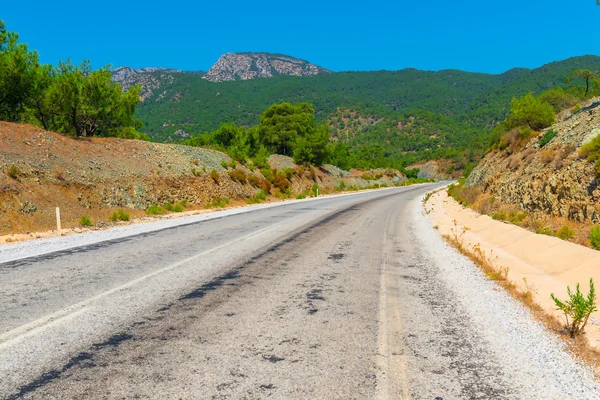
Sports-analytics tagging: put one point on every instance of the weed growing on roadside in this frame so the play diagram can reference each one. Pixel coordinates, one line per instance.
(119, 215)
(565, 233)
(173, 207)
(155, 209)
(595, 237)
(577, 309)
(85, 220)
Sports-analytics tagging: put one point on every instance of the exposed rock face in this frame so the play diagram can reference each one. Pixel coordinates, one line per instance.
(553, 179)
(150, 78)
(244, 66)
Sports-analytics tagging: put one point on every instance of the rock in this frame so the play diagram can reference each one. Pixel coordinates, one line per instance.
(245, 66)
(553, 179)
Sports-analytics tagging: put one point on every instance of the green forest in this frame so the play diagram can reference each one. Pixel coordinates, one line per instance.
(384, 118)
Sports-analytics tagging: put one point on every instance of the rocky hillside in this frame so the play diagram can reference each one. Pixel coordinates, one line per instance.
(149, 78)
(42, 170)
(553, 177)
(245, 66)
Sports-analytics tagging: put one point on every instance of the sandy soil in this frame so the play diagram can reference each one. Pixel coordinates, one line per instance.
(548, 264)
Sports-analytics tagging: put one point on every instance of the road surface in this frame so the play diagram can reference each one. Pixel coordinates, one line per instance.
(346, 297)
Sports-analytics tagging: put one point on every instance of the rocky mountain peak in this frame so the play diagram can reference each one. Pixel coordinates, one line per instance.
(245, 66)
(150, 78)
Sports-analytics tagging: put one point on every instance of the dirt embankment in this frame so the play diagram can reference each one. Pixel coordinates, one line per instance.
(547, 173)
(96, 176)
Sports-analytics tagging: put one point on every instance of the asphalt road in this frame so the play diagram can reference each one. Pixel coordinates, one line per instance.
(330, 298)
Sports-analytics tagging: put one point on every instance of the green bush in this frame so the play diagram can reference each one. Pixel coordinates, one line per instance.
(155, 209)
(85, 220)
(268, 174)
(119, 215)
(13, 171)
(591, 150)
(531, 111)
(258, 198)
(548, 136)
(219, 203)
(577, 309)
(224, 164)
(301, 196)
(565, 233)
(173, 207)
(595, 237)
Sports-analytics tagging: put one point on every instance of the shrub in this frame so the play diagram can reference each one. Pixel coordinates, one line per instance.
(85, 220)
(546, 230)
(576, 109)
(155, 209)
(547, 156)
(591, 150)
(268, 174)
(281, 183)
(214, 175)
(548, 136)
(173, 207)
(237, 175)
(595, 237)
(565, 233)
(532, 112)
(301, 196)
(119, 215)
(577, 309)
(196, 172)
(219, 203)
(499, 216)
(224, 164)
(13, 171)
(258, 198)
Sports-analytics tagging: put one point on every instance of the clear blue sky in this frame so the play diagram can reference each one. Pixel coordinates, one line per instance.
(484, 36)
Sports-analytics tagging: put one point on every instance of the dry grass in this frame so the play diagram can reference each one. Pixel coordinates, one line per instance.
(484, 203)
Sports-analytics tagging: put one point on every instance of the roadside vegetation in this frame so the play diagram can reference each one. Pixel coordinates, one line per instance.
(66, 98)
(576, 309)
(582, 233)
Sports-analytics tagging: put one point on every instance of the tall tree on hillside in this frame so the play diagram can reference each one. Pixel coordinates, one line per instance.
(531, 111)
(312, 147)
(89, 103)
(17, 64)
(585, 74)
(282, 124)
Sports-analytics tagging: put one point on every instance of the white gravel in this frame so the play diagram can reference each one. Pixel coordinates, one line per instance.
(537, 361)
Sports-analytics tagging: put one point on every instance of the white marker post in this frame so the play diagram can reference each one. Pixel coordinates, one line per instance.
(317, 192)
(58, 221)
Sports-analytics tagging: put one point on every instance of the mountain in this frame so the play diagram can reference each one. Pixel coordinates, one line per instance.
(405, 116)
(246, 66)
(149, 78)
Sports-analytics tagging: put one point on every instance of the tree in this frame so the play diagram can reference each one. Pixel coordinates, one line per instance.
(312, 148)
(282, 124)
(584, 74)
(89, 103)
(16, 68)
(531, 111)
